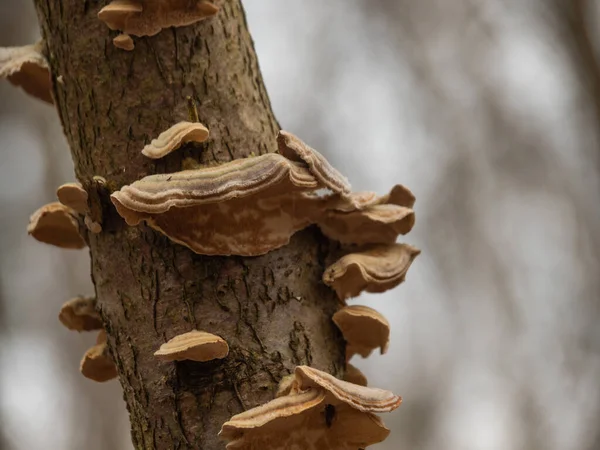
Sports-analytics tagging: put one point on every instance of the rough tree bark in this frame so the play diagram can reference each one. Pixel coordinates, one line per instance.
(273, 310)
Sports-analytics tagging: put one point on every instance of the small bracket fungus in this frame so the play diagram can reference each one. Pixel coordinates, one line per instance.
(320, 413)
(27, 67)
(147, 18)
(74, 196)
(235, 208)
(364, 330)
(294, 149)
(175, 137)
(80, 314)
(97, 363)
(354, 375)
(374, 269)
(124, 42)
(193, 346)
(56, 224)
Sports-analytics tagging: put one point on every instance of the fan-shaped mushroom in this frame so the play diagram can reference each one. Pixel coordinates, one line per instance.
(27, 67)
(97, 363)
(364, 330)
(175, 137)
(194, 346)
(80, 314)
(56, 224)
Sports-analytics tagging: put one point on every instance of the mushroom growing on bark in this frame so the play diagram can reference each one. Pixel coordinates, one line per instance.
(124, 42)
(80, 314)
(56, 224)
(364, 330)
(193, 346)
(321, 412)
(27, 67)
(354, 375)
(376, 268)
(149, 17)
(97, 363)
(175, 137)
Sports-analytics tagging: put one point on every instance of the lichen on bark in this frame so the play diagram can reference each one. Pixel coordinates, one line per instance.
(273, 310)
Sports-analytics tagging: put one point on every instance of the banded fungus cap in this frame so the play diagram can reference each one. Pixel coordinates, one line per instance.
(173, 138)
(193, 346)
(364, 330)
(56, 224)
(376, 268)
(303, 420)
(97, 364)
(285, 385)
(294, 149)
(150, 17)
(80, 314)
(74, 196)
(236, 208)
(354, 375)
(28, 68)
(124, 42)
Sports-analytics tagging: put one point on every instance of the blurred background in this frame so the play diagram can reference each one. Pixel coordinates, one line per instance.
(488, 110)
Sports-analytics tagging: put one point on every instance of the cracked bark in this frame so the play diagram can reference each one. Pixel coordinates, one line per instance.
(273, 310)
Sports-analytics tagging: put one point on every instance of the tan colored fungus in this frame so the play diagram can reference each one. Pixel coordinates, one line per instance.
(27, 67)
(56, 224)
(80, 314)
(147, 18)
(175, 137)
(376, 268)
(194, 346)
(354, 375)
(364, 330)
(326, 414)
(97, 363)
(94, 227)
(285, 385)
(294, 149)
(124, 42)
(231, 209)
(74, 196)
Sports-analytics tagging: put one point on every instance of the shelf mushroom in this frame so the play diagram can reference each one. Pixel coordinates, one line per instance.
(147, 18)
(97, 364)
(56, 224)
(193, 346)
(175, 137)
(124, 42)
(376, 268)
(364, 330)
(28, 68)
(320, 412)
(80, 314)
(354, 375)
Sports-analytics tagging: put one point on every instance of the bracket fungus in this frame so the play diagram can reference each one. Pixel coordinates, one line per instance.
(231, 209)
(193, 346)
(321, 412)
(80, 314)
(149, 17)
(74, 196)
(56, 224)
(28, 68)
(124, 42)
(175, 137)
(376, 268)
(97, 363)
(294, 149)
(364, 330)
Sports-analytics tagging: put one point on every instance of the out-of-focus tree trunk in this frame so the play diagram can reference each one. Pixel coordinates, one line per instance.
(273, 310)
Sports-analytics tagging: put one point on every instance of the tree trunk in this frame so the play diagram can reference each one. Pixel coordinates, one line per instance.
(273, 310)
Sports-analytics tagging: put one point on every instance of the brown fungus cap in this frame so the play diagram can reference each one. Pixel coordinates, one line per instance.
(354, 375)
(376, 268)
(175, 137)
(80, 314)
(294, 149)
(235, 208)
(56, 224)
(303, 420)
(124, 42)
(149, 17)
(193, 346)
(74, 196)
(97, 363)
(364, 330)
(27, 67)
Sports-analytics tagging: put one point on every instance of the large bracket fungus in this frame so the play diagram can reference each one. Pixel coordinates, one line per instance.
(149, 17)
(27, 67)
(364, 330)
(319, 412)
(56, 224)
